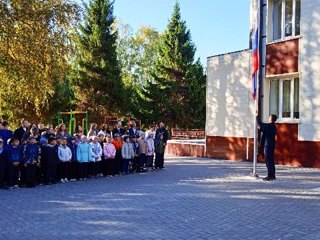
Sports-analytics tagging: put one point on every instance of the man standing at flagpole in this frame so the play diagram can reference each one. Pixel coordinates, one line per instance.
(268, 129)
(268, 142)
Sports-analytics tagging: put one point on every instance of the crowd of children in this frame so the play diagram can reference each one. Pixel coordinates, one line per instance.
(36, 155)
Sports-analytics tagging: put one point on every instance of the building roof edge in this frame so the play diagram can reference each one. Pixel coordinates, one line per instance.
(222, 54)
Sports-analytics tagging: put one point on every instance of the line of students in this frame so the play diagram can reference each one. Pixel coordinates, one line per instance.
(53, 158)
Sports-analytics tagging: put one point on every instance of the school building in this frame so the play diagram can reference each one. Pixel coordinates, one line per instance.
(289, 87)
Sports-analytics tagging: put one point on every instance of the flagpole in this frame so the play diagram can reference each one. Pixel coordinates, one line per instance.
(257, 92)
(255, 143)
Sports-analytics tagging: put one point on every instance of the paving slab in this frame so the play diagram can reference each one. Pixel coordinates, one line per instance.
(191, 198)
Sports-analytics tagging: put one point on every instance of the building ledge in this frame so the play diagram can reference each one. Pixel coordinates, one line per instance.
(284, 39)
(288, 121)
(283, 75)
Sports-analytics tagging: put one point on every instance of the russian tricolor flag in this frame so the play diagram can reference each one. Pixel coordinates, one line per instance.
(255, 63)
(255, 46)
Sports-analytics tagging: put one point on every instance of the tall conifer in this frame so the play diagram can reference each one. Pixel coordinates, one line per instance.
(177, 92)
(100, 87)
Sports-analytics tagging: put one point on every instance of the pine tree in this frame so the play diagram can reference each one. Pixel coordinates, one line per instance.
(177, 92)
(100, 88)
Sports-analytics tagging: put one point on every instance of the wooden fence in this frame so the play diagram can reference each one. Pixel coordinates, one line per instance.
(185, 134)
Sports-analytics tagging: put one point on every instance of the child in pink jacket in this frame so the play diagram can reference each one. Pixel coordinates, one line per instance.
(110, 153)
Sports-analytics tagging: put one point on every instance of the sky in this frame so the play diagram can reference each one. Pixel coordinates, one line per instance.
(217, 26)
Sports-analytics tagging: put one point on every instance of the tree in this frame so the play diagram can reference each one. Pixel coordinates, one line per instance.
(177, 92)
(98, 76)
(137, 54)
(34, 49)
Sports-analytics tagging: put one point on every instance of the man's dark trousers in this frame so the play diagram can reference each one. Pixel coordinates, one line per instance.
(269, 159)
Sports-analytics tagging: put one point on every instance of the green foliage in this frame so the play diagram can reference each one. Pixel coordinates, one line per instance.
(97, 72)
(34, 45)
(49, 63)
(137, 54)
(63, 99)
(177, 92)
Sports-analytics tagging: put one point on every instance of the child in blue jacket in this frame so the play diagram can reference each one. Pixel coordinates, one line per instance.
(3, 163)
(84, 155)
(31, 159)
(14, 158)
(96, 161)
(5, 133)
(65, 156)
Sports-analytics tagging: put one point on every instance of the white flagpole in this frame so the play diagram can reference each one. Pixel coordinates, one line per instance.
(255, 143)
(256, 102)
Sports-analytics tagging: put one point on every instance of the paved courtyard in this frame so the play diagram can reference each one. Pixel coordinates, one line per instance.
(191, 199)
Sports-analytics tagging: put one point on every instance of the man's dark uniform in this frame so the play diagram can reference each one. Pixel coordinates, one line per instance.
(268, 141)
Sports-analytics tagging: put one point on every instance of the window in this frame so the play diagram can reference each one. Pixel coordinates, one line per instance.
(284, 98)
(285, 18)
(296, 98)
(297, 17)
(288, 17)
(277, 19)
(274, 97)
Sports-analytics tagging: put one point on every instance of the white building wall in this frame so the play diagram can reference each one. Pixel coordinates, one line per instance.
(230, 108)
(309, 62)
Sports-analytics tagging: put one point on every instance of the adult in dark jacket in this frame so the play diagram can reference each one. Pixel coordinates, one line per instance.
(18, 133)
(34, 132)
(161, 130)
(105, 129)
(269, 131)
(159, 150)
(118, 130)
(62, 131)
(133, 130)
(41, 128)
